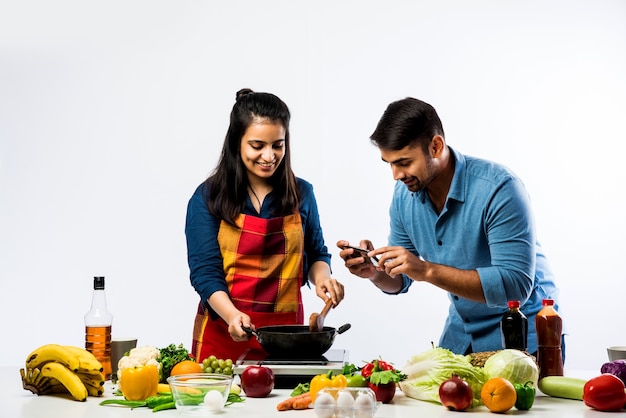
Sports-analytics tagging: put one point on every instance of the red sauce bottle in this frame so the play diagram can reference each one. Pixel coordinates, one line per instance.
(549, 326)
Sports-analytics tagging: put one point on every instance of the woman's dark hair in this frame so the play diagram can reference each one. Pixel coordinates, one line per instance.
(229, 181)
(406, 122)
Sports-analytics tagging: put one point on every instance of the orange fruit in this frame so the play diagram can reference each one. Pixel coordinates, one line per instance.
(186, 367)
(498, 394)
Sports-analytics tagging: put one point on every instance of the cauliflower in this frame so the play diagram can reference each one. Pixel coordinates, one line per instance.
(137, 357)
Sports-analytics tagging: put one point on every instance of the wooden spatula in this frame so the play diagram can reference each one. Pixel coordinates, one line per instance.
(316, 320)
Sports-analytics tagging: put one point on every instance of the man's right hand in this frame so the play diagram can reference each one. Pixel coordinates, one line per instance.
(358, 265)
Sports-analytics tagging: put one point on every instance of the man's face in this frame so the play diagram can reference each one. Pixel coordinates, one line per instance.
(412, 166)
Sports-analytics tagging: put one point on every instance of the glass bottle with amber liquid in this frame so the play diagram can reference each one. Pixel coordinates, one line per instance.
(514, 327)
(98, 321)
(549, 326)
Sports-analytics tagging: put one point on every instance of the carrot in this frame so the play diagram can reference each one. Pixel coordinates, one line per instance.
(302, 403)
(289, 403)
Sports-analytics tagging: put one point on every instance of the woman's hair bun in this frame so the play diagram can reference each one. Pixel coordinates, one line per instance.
(243, 92)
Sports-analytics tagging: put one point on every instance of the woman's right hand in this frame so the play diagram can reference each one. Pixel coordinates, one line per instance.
(234, 326)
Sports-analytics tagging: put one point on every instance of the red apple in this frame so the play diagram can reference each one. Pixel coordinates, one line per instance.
(456, 394)
(257, 381)
(384, 391)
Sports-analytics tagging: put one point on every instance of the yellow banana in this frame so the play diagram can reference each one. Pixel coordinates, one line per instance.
(87, 361)
(89, 380)
(33, 380)
(96, 384)
(94, 390)
(52, 353)
(68, 378)
(52, 386)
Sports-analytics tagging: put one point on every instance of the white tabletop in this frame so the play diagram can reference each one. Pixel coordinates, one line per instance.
(15, 402)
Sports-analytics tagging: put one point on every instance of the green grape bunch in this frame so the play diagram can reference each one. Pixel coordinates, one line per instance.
(216, 365)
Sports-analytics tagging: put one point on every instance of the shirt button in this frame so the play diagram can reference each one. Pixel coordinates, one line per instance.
(440, 242)
(466, 320)
(456, 297)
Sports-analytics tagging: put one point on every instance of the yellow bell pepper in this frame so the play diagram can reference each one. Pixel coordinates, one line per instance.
(139, 383)
(327, 380)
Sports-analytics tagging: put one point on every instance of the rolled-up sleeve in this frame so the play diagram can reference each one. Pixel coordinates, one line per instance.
(511, 238)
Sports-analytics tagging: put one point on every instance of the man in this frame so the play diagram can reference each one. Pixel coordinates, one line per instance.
(460, 223)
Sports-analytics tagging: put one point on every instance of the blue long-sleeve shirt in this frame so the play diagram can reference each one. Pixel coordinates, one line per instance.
(203, 252)
(486, 225)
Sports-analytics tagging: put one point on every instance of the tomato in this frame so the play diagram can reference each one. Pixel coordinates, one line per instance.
(367, 370)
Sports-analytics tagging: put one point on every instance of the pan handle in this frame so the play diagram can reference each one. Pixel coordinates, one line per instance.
(250, 331)
(343, 328)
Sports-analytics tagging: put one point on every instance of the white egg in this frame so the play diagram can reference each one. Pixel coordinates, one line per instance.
(324, 405)
(345, 402)
(214, 400)
(364, 406)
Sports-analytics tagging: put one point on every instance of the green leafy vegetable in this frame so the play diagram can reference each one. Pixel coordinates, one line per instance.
(300, 389)
(349, 369)
(169, 357)
(233, 398)
(386, 376)
(513, 365)
(427, 371)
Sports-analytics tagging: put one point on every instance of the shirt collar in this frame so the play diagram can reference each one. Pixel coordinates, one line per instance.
(457, 187)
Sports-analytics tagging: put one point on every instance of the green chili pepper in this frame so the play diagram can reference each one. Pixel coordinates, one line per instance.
(124, 402)
(525, 395)
(164, 406)
(157, 400)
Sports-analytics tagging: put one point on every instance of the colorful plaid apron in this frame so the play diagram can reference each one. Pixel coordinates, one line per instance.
(263, 262)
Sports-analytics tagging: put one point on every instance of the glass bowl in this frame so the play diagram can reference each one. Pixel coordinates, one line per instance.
(200, 394)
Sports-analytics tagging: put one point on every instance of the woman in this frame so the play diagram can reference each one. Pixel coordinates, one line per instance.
(253, 234)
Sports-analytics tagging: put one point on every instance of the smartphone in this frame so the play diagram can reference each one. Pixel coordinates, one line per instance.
(361, 252)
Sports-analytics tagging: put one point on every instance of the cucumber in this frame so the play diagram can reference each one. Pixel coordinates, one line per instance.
(562, 387)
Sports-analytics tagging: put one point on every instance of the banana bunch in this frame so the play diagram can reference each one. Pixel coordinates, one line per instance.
(54, 368)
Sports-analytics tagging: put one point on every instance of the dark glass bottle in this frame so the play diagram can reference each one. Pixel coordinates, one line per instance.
(514, 327)
(98, 323)
(549, 326)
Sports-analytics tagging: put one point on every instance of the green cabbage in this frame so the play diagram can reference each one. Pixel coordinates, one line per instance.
(513, 365)
(428, 370)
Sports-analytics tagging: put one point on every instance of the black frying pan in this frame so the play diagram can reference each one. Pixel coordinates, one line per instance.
(296, 341)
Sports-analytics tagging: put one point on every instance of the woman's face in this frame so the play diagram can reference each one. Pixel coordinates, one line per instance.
(262, 148)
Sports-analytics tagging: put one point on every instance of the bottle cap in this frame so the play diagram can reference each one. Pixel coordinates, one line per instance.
(547, 302)
(514, 304)
(98, 283)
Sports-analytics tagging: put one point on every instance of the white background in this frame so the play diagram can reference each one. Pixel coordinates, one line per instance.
(111, 113)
